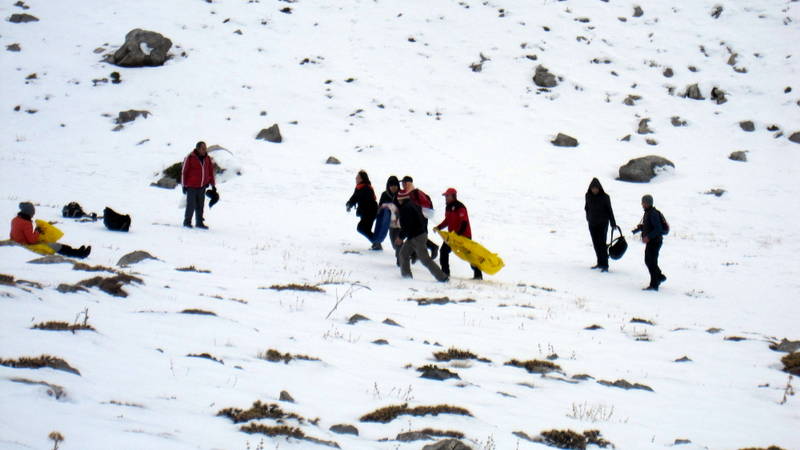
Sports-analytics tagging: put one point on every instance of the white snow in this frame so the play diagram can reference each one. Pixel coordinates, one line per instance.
(731, 261)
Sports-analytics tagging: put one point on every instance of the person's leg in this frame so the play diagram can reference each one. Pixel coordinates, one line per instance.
(476, 273)
(405, 258)
(598, 234)
(419, 244)
(365, 226)
(434, 249)
(200, 201)
(190, 205)
(651, 261)
(444, 258)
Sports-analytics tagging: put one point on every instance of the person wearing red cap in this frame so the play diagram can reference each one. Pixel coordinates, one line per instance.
(456, 219)
(414, 229)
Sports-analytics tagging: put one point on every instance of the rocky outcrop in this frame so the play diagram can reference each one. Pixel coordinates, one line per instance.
(271, 134)
(642, 170)
(142, 48)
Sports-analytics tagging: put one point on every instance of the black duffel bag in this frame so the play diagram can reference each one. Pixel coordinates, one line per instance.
(115, 221)
(617, 246)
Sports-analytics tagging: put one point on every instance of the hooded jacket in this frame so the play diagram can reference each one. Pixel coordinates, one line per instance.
(598, 207)
(387, 196)
(456, 219)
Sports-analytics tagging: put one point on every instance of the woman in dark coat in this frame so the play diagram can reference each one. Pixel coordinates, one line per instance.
(599, 214)
(363, 199)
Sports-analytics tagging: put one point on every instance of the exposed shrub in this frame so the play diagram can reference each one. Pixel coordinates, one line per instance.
(201, 312)
(296, 287)
(535, 366)
(192, 269)
(791, 363)
(205, 356)
(389, 413)
(272, 431)
(62, 326)
(258, 411)
(273, 355)
(454, 353)
(111, 285)
(38, 362)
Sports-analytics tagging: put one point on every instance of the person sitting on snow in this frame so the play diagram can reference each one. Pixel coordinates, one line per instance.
(23, 233)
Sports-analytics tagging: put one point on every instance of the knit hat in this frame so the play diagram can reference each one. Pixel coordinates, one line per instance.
(450, 191)
(648, 200)
(407, 179)
(27, 209)
(403, 195)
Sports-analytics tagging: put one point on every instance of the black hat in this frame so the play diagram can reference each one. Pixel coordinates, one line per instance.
(407, 179)
(214, 196)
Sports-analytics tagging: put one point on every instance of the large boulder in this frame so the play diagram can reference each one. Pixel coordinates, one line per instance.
(142, 48)
(642, 170)
(543, 78)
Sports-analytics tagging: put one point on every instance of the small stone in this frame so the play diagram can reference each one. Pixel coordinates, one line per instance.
(543, 78)
(344, 429)
(693, 92)
(677, 121)
(682, 441)
(432, 372)
(631, 99)
(747, 125)
(683, 359)
(271, 134)
(582, 377)
(717, 192)
(668, 72)
(380, 342)
(410, 436)
(739, 155)
(131, 115)
(70, 288)
(286, 397)
(355, 318)
(624, 384)
(22, 18)
(333, 160)
(13, 47)
(713, 330)
(637, 11)
(563, 140)
(718, 95)
(651, 141)
(643, 127)
(627, 138)
(391, 322)
(593, 327)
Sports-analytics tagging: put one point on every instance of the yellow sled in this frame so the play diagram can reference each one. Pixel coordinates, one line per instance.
(48, 235)
(473, 253)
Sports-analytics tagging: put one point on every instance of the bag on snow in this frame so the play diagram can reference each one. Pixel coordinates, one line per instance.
(115, 221)
(73, 210)
(618, 246)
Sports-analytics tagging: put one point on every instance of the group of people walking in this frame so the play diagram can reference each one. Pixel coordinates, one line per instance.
(406, 211)
(653, 227)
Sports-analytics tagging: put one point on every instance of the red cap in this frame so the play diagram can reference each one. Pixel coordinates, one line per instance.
(450, 191)
(403, 194)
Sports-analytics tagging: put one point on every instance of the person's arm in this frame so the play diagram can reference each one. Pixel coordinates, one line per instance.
(353, 199)
(184, 169)
(31, 236)
(611, 213)
(463, 220)
(211, 175)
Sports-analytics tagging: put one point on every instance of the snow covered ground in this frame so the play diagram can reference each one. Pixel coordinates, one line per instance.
(387, 87)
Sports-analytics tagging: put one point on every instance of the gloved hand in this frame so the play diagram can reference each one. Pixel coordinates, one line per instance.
(349, 207)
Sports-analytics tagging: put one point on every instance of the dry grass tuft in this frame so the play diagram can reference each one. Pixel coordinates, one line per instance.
(296, 287)
(112, 285)
(62, 326)
(38, 362)
(206, 356)
(454, 353)
(567, 439)
(53, 390)
(259, 411)
(791, 363)
(389, 413)
(201, 312)
(273, 355)
(192, 269)
(272, 431)
(535, 366)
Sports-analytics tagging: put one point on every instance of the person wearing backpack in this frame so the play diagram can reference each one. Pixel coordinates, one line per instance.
(653, 228)
(599, 214)
(456, 219)
(414, 229)
(424, 202)
(363, 199)
(197, 174)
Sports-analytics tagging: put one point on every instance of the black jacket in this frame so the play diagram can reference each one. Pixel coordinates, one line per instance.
(651, 224)
(387, 197)
(364, 198)
(598, 207)
(412, 222)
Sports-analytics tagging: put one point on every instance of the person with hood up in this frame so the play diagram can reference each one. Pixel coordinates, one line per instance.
(456, 219)
(23, 233)
(196, 175)
(653, 231)
(389, 201)
(363, 199)
(414, 229)
(599, 214)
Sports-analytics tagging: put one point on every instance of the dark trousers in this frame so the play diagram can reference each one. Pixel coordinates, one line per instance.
(417, 245)
(599, 234)
(365, 226)
(195, 201)
(444, 261)
(651, 261)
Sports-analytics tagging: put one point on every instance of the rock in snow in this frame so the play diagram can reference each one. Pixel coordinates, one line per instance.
(543, 78)
(642, 170)
(563, 140)
(271, 134)
(142, 48)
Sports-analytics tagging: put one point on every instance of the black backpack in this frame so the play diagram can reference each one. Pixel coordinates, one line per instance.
(73, 210)
(115, 221)
(617, 246)
(664, 223)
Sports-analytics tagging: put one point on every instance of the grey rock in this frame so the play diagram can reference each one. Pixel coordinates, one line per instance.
(631, 99)
(380, 342)
(432, 372)
(651, 141)
(271, 134)
(717, 192)
(785, 345)
(717, 11)
(13, 47)
(642, 170)
(355, 318)
(286, 397)
(683, 359)
(627, 138)
(668, 72)
(582, 377)
(637, 11)
(747, 125)
(165, 183)
(70, 288)
(643, 127)
(51, 259)
(410, 436)
(447, 444)
(739, 155)
(563, 140)
(718, 95)
(677, 121)
(22, 18)
(693, 92)
(131, 115)
(344, 429)
(795, 137)
(391, 322)
(543, 78)
(333, 160)
(624, 384)
(134, 258)
(142, 48)
(682, 441)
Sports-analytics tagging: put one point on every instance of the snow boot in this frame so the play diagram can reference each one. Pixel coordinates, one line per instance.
(376, 247)
(70, 252)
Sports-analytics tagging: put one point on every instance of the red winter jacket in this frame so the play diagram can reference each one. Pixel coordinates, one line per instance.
(457, 220)
(22, 231)
(197, 173)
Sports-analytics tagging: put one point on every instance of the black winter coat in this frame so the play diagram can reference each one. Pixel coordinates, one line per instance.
(364, 199)
(598, 207)
(651, 224)
(412, 222)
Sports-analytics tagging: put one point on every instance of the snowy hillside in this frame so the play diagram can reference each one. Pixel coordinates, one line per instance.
(443, 91)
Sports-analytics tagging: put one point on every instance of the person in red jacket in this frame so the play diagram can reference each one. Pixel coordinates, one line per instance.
(197, 174)
(23, 233)
(456, 219)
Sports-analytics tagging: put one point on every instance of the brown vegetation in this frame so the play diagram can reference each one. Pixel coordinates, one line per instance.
(38, 362)
(62, 326)
(454, 353)
(273, 355)
(258, 411)
(535, 366)
(296, 287)
(389, 413)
